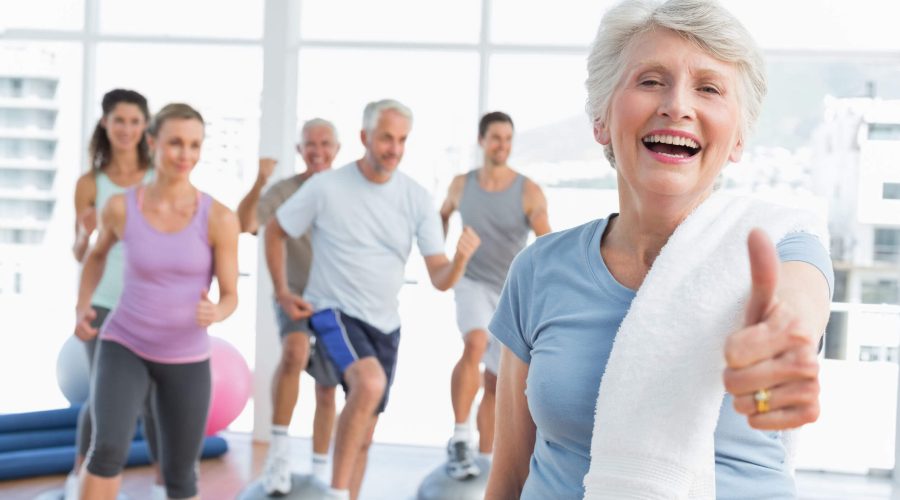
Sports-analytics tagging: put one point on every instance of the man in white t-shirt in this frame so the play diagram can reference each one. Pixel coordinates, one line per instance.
(363, 218)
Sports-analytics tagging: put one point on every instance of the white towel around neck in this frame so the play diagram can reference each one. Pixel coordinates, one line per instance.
(660, 395)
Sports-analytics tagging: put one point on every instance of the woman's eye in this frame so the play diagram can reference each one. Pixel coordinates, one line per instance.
(709, 89)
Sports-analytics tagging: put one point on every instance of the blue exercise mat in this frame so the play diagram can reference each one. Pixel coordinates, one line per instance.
(40, 420)
(47, 438)
(60, 459)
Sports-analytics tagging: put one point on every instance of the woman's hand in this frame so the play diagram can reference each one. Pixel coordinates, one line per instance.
(207, 310)
(772, 367)
(83, 318)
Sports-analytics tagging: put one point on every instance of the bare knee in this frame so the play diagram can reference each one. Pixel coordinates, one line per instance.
(295, 353)
(476, 343)
(367, 380)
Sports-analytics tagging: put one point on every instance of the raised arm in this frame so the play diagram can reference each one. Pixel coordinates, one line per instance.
(535, 205)
(223, 237)
(773, 358)
(113, 217)
(443, 272)
(246, 211)
(514, 434)
(85, 214)
(451, 203)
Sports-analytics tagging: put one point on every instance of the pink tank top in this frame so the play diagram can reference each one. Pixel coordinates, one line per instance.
(165, 274)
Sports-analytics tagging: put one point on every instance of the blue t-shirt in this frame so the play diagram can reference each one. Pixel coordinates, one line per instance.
(362, 233)
(559, 312)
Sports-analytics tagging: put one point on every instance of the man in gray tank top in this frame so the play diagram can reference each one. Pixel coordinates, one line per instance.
(502, 206)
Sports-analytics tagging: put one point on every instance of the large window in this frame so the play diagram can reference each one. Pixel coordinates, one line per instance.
(449, 63)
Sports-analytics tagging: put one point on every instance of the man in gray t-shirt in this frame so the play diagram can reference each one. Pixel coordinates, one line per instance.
(503, 207)
(318, 146)
(364, 217)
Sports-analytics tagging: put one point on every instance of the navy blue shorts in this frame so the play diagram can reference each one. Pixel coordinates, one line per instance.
(347, 339)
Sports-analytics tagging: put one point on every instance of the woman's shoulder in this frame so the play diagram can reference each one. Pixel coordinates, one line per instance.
(559, 246)
(222, 219)
(566, 239)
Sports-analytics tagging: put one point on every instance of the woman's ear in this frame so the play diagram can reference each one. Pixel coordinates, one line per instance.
(737, 151)
(601, 132)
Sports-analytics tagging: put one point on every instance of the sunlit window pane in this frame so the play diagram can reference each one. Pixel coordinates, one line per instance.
(40, 158)
(42, 14)
(537, 22)
(391, 20)
(200, 18)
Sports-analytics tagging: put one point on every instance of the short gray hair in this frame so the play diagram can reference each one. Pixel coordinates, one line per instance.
(703, 22)
(319, 122)
(375, 109)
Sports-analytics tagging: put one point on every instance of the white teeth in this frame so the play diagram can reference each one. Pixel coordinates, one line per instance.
(673, 140)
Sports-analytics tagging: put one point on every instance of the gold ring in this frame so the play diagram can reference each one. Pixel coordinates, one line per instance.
(762, 397)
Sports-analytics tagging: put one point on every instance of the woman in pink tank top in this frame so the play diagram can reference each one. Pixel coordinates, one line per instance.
(175, 239)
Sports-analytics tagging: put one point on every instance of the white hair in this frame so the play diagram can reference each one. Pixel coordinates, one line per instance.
(375, 109)
(703, 22)
(318, 122)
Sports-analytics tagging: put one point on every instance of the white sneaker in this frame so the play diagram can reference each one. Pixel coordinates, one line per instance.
(158, 492)
(277, 476)
(70, 490)
(460, 461)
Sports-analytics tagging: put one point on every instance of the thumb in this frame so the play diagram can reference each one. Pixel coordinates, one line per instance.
(204, 295)
(764, 275)
(92, 314)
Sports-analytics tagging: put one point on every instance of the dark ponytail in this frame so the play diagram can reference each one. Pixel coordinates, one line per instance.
(99, 149)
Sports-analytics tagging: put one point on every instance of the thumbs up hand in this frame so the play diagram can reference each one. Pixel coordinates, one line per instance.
(772, 368)
(207, 311)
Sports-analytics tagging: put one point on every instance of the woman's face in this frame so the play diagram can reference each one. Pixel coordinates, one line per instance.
(176, 148)
(125, 126)
(674, 118)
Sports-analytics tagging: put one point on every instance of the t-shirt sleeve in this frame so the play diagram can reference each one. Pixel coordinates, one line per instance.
(805, 247)
(268, 203)
(297, 214)
(510, 324)
(429, 231)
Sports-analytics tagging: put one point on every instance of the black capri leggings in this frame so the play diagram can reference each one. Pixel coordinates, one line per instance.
(181, 404)
(85, 426)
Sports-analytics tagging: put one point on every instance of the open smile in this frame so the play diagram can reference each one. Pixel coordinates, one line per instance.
(677, 146)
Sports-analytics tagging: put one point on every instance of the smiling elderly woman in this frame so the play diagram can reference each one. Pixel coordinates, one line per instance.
(702, 332)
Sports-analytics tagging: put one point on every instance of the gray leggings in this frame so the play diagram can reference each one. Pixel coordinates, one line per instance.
(181, 401)
(83, 434)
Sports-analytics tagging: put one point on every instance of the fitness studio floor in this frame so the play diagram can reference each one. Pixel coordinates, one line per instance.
(394, 474)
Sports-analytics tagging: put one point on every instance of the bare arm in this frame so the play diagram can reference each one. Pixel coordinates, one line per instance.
(514, 434)
(94, 264)
(246, 211)
(443, 272)
(85, 214)
(451, 203)
(293, 305)
(223, 237)
(535, 205)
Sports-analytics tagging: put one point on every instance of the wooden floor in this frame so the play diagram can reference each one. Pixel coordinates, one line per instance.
(220, 478)
(394, 474)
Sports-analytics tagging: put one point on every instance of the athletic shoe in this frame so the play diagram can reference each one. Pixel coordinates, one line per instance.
(70, 490)
(277, 476)
(460, 461)
(158, 492)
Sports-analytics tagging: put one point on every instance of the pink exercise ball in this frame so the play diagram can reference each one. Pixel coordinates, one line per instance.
(231, 385)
